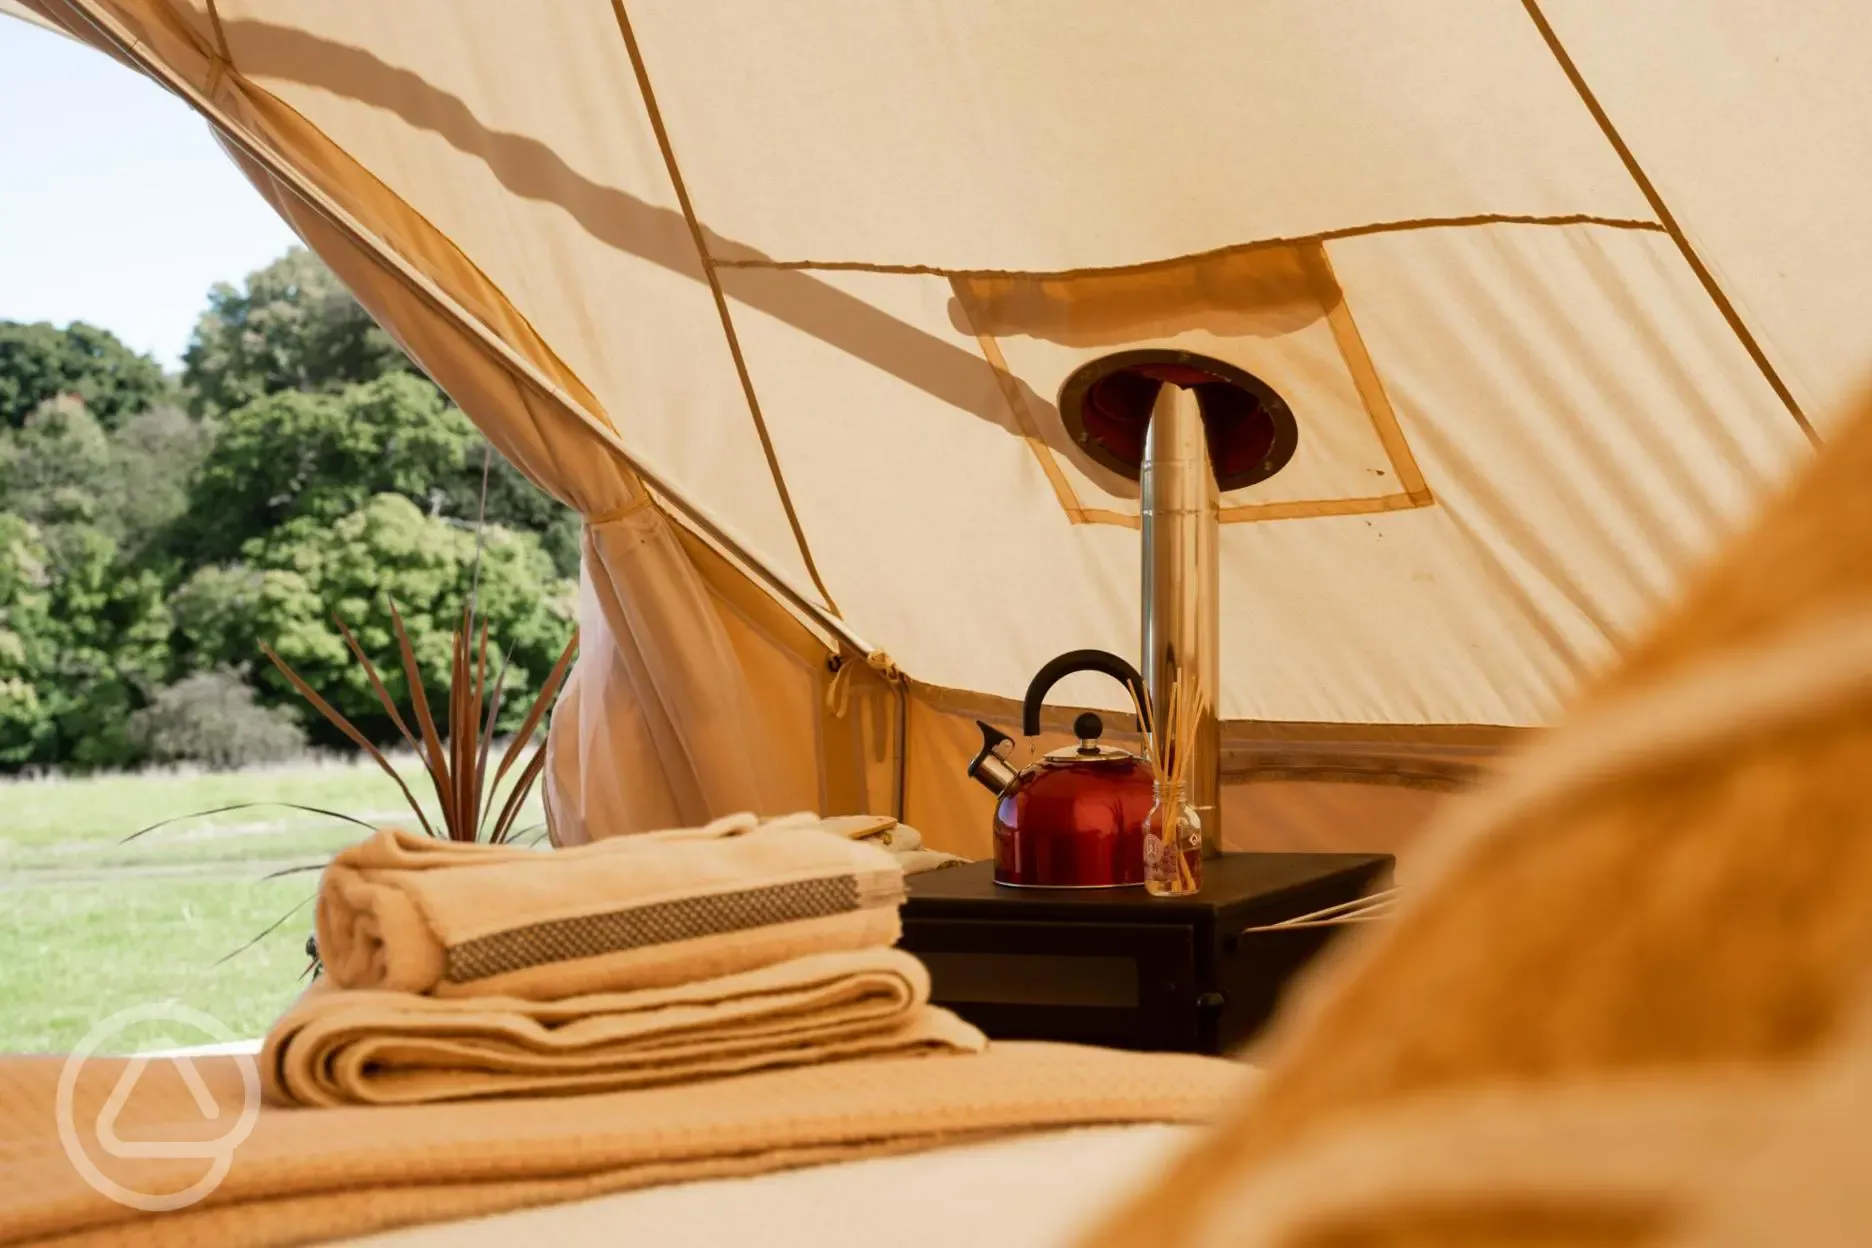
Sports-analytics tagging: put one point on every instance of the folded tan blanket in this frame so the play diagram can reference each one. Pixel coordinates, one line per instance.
(363, 1046)
(308, 1176)
(405, 912)
(903, 841)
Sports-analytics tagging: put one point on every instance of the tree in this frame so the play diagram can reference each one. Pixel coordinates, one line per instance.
(80, 639)
(223, 611)
(295, 455)
(97, 631)
(294, 328)
(318, 469)
(55, 467)
(289, 584)
(110, 633)
(155, 458)
(26, 643)
(40, 362)
(60, 468)
(290, 326)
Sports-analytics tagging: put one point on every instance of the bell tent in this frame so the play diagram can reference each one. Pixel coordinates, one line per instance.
(786, 300)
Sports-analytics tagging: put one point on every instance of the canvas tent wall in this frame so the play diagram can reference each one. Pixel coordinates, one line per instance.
(780, 298)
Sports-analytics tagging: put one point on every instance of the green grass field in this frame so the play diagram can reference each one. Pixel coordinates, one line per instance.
(90, 926)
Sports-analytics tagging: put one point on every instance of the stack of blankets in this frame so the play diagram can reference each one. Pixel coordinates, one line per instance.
(455, 971)
(498, 1027)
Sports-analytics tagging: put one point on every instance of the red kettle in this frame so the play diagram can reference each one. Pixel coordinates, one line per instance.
(1075, 818)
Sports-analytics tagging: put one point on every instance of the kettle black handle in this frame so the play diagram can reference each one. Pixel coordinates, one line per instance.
(1078, 661)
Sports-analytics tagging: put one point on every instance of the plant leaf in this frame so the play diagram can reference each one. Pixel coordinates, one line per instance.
(270, 929)
(517, 799)
(487, 740)
(546, 694)
(222, 810)
(465, 713)
(458, 692)
(377, 685)
(301, 869)
(419, 699)
(477, 764)
(345, 726)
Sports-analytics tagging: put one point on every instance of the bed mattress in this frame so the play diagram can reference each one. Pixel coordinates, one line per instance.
(1034, 1191)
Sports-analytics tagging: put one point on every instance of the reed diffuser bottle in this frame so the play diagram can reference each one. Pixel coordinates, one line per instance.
(1172, 843)
(1173, 833)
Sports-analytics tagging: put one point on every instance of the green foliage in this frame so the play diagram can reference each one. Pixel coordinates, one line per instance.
(144, 548)
(40, 362)
(55, 468)
(290, 326)
(291, 582)
(79, 639)
(261, 358)
(92, 631)
(294, 455)
(155, 458)
(222, 612)
(211, 718)
(111, 641)
(60, 468)
(25, 639)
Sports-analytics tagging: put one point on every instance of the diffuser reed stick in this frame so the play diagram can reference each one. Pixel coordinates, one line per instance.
(1172, 830)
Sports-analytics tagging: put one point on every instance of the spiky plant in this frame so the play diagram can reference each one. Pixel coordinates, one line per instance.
(457, 765)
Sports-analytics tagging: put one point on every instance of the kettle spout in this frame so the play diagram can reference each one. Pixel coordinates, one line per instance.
(991, 769)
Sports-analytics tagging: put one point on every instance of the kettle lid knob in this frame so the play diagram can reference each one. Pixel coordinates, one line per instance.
(1088, 727)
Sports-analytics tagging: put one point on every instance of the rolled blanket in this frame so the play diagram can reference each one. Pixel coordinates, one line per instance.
(408, 913)
(367, 1047)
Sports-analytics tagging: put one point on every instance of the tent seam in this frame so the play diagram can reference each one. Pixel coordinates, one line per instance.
(1063, 492)
(1404, 225)
(681, 189)
(1253, 733)
(220, 35)
(1668, 220)
(1318, 266)
(222, 63)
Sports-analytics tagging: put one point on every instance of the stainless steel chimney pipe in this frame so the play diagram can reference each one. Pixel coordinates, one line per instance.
(1181, 505)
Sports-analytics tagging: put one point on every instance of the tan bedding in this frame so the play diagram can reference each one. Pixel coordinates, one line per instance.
(307, 1176)
(362, 1047)
(461, 970)
(1044, 1189)
(409, 913)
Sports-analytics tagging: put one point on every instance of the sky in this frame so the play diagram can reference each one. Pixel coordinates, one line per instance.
(117, 206)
